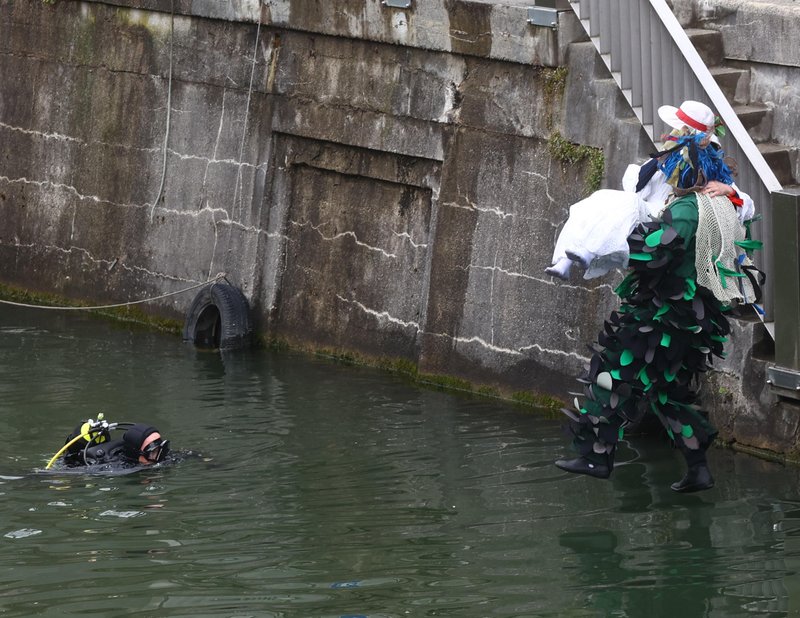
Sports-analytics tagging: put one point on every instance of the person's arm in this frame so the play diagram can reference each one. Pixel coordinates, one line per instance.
(745, 208)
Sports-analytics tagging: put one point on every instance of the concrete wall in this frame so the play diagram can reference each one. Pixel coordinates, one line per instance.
(377, 181)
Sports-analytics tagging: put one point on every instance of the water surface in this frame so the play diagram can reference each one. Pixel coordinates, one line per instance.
(308, 488)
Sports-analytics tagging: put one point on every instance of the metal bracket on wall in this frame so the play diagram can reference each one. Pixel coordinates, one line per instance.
(543, 16)
(784, 382)
(397, 4)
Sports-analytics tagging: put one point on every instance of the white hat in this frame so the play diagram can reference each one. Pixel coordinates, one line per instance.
(692, 114)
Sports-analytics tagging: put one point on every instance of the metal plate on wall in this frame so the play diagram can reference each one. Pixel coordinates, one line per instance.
(543, 16)
(784, 382)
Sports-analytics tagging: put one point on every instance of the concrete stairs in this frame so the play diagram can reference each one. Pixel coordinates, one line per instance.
(733, 79)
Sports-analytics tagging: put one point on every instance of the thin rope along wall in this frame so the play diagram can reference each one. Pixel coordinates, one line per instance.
(116, 305)
(169, 113)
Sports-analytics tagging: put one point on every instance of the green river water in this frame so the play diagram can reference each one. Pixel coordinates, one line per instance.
(306, 488)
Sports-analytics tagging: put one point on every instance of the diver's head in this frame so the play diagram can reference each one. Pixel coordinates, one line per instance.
(145, 445)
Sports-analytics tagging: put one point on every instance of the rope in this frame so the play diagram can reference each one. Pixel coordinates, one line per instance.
(114, 306)
(169, 111)
(246, 117)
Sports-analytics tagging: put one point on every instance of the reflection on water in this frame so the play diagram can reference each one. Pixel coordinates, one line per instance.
(311, 489)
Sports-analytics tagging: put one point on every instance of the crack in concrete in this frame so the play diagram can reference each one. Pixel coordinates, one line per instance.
(216, 141)
(56, 136)
(342, 234)
(479, 341)
(98, 261)
(67, 188)
(224, 220)
(407, 236)
(473, 206)
(239, 164)
(380, 315)
(548, 281)
(536, 346)
(385, 315)
(180, 155)
(504, 271)
(546, 181)
(216, 241)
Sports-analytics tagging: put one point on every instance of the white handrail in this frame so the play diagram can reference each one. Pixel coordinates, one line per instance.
(714, 92)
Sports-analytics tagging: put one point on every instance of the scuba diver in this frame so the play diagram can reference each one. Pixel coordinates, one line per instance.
(90, 444)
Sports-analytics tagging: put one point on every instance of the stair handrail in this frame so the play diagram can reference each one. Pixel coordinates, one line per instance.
(718, 98)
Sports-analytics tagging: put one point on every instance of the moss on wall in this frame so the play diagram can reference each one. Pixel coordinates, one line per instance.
(569, 153)
(541, 403)
(555, 81)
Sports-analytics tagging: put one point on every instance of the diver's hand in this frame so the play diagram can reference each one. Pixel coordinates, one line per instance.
(715, 188)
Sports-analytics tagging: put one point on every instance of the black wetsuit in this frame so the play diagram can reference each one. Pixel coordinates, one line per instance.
(101, 449)
(113, 451)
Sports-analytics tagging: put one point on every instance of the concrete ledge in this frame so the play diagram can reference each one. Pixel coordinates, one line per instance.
(485, 28)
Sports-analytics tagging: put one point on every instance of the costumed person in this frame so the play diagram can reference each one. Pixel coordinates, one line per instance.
(686, 269)
(90, 444)
(595, 236)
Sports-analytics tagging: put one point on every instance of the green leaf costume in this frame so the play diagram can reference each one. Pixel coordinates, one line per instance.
(666, 332)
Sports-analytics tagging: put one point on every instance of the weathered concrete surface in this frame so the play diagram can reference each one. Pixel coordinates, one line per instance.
(370, 195)
(351, 280)
(754, 30)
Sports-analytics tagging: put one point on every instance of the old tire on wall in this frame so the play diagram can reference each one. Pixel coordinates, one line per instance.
(219, 317)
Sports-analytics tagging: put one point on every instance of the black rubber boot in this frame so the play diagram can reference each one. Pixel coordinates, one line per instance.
(698, 476)
(582, 465)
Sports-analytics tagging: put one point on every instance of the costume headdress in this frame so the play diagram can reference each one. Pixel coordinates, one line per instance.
(692, 162)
